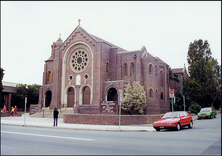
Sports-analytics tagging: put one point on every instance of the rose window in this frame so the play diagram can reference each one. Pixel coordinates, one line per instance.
(79, 60)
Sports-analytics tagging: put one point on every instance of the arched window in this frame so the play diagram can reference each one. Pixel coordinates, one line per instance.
(161, 95)
(125, 69)
(49, 76)
(151, 92)
(150, 69)
(156, 94)
(107, 66)
(131, 69)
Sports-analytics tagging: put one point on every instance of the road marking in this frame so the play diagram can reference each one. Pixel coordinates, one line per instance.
(49, 136)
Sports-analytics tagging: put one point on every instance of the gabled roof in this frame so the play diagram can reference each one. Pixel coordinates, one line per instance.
(161, 61)
(93, 37)
(177, 70)
(102, 40)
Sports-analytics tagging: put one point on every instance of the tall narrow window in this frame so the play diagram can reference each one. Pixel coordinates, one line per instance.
(151, 92)
(150, 69)
(107, 66)
(49, 76)
(131, 69)
(156, 70)
(125, 69)
(161, 95)
(161, 78)
(156, 94)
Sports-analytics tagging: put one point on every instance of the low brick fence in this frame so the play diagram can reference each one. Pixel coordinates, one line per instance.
(102, 119)
(7, 114)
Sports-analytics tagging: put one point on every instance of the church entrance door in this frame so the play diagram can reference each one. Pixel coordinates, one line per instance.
(112, 95)
(48, 98)
(86, 96)
(71, 94)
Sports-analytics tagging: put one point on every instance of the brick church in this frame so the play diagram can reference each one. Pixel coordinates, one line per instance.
(85, 72)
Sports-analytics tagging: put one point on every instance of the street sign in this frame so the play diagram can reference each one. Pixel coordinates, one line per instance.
(120, 95)
(171, 93)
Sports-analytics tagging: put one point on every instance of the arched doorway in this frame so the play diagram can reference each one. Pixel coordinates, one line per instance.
(48, 98)
(112, 95)
(86, 96)
(71, 94)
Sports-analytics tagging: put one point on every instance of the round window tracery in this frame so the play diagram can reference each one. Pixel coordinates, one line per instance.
(79, 60)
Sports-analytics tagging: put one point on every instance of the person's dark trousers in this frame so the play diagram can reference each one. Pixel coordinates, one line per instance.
(55, 122)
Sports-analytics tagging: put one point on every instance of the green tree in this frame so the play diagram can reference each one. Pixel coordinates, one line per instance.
(32, 91)
(204, 73)
(1, 87)
(134, 100)
(196, 91)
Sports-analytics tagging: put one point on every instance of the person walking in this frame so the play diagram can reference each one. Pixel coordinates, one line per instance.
(12, 111)
(15, 111)
(4, 109)
(55, 116)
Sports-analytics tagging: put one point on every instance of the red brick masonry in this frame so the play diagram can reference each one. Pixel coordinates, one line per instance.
(101, 119)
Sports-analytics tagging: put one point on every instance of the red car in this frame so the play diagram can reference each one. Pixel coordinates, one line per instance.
(175, 119)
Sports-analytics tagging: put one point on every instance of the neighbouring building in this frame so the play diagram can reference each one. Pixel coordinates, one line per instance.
(86, 72)
(182, 75)
(8, 89)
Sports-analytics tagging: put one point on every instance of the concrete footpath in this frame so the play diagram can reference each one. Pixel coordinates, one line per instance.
(28, 121)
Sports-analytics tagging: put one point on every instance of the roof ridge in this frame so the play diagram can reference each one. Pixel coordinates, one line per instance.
(102, 40)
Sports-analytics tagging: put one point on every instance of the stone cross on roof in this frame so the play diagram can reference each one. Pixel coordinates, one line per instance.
(79, 22)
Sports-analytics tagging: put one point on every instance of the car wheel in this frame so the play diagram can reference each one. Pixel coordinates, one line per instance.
(157, 129)
(191, 124)
(178, 127)
(211, 117)
(215, 116)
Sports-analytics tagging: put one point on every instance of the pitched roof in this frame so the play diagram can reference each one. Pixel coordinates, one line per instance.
(177, 70)
(102, 40)
(161, 60)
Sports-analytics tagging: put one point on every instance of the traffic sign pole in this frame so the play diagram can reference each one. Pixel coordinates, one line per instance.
(120, 100)
(172, 96)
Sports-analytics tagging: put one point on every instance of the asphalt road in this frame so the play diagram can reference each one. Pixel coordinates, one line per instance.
(203, 138)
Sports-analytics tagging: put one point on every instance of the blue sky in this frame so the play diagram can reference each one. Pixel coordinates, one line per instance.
(28, 28)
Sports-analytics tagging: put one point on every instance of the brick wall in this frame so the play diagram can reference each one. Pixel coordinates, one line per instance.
(101, 119)
(89, 109)
(34, 108)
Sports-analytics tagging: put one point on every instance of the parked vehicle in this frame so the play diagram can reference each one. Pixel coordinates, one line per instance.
(207, 112)
(175, 120)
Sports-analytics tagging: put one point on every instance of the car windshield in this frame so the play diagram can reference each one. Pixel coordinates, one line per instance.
(205, 110)
(171, 115)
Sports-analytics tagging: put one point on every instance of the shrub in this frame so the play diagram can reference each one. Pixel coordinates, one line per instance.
(195, 108)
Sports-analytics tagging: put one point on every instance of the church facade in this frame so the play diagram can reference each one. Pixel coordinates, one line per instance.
(86, 72)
